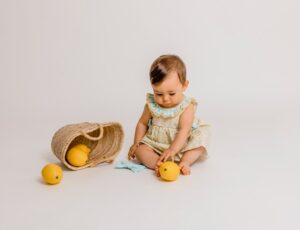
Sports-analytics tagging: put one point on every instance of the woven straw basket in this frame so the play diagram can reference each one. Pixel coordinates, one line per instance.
(104, 139)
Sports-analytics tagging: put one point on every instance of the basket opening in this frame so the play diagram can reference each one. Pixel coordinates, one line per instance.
(83, 140)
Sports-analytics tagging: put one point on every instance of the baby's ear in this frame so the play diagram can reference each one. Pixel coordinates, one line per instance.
(186, 84)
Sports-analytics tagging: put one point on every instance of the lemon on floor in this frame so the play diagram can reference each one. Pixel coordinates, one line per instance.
(52, 174)
(169, 171)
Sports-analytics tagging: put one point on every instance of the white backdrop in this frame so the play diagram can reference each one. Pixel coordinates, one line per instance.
(88, 60)
(68, 61)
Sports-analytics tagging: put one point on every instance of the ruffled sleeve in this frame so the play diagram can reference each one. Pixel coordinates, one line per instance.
(158, 111)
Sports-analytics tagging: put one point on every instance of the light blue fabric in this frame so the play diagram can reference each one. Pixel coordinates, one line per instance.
(194, 126)
(130, 165)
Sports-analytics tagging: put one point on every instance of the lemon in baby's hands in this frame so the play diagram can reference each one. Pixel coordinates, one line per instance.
(169, 171)
(52, 174)
(77, 157)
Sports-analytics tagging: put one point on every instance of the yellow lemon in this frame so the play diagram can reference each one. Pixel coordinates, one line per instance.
(169, 171)
(84, 148)
(52, 174)
(77, 157)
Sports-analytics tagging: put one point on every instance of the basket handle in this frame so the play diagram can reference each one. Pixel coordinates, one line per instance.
(94, 138)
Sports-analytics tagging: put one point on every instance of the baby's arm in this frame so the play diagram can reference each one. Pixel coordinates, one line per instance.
(142, 125)
(184, 129)
(140, 130)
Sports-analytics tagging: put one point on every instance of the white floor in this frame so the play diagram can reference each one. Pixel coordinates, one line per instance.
(250, 181)
(62, 61)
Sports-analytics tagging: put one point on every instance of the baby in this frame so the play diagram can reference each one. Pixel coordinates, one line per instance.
(168, 128)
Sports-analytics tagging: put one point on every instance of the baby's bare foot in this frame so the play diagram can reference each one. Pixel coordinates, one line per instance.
(185, 168)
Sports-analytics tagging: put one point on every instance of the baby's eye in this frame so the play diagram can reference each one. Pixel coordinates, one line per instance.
(172, 94)
(159, 94)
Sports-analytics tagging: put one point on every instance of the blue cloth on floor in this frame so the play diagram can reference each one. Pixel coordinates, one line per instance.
(130, 165)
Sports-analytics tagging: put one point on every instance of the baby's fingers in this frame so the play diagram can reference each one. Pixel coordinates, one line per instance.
(131, 155)
(159, 161)
(163, 158)
(131, 152)
(172, 158)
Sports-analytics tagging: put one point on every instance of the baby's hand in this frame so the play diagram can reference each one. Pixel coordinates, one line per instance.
(168, 154)
(131, 152)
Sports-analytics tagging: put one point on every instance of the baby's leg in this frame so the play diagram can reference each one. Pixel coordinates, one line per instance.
(146, 156)
(189, 158)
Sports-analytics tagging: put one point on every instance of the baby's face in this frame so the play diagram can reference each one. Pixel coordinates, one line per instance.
(169, 92)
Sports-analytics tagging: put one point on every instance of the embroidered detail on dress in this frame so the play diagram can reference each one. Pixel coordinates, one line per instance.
(150, 122)
(168, 112)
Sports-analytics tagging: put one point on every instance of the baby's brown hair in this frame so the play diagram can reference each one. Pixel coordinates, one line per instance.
(165, 64)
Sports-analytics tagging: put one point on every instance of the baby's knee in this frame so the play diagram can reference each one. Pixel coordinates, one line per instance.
(142, 147)
(146, 156)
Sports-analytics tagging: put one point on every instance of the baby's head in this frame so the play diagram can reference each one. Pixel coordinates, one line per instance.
(168, 80)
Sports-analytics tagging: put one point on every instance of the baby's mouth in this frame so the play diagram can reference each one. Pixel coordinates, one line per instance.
(166, 105)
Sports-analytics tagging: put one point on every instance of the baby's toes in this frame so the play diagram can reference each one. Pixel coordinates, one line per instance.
(185, 169)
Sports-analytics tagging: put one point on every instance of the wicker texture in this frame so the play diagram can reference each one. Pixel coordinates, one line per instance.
(104, 139)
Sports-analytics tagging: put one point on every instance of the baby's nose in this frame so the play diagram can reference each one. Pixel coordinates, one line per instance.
(165, 98)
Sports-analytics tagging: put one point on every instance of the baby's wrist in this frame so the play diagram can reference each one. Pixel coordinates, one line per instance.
(173, 151)
(136, 144)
